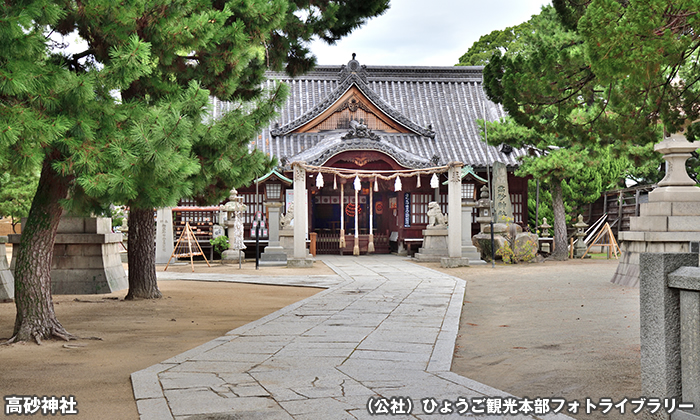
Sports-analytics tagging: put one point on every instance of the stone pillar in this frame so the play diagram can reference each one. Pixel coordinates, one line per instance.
(660, 325)
(301, 255)
(454, 226)
(687, 279)
(502, 207)
(164, 235)
(469, 251)
(7, 282)
(274, 253)
(454, 211)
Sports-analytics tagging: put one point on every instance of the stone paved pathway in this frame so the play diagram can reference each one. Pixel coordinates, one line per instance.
(385, 327)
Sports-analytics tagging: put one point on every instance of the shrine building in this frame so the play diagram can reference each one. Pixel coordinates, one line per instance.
(374, 144)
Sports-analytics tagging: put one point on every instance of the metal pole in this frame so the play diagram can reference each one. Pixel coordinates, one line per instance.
(493, 240)
(488, 174)
(257, 227)
(537, 206)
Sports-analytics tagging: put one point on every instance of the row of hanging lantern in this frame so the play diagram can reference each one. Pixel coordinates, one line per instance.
(374, 185)
(434, 182)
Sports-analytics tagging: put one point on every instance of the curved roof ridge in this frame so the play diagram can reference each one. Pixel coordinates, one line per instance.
(334, 96)
(353, 75)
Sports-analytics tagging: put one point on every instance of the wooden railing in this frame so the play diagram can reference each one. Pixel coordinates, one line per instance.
(328, 243)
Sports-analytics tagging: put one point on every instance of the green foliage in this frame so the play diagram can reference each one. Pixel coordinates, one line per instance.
(506, 253)
(479, 54)
(558, 113)
(647, 52)
(545, 205)
(220, 243)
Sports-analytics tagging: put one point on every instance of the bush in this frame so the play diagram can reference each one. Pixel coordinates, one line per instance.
(220, 243)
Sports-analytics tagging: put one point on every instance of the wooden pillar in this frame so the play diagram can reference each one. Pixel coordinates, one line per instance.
(356, 248)
(342, 217)
(370, 245)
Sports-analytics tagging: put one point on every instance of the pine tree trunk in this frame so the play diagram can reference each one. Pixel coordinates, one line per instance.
(142, 255)
(36, 319)
(561, 252)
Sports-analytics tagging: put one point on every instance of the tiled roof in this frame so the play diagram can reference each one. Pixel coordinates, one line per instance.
(438, 105)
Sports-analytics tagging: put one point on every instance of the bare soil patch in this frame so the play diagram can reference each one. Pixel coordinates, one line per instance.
(550, 330)
(135, 335)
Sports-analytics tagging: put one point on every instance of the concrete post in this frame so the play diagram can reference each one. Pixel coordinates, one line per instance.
(660, 324)
(164, 233)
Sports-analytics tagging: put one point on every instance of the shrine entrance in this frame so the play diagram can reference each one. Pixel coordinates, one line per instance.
(335, 205)
(365, 202)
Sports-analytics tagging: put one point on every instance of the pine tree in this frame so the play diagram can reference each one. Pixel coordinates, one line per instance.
(62, 122)
(223, 46)
(173, 150)
(155, 143)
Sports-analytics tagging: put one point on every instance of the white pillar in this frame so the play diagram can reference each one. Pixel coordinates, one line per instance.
(454, 211)
(300, 211)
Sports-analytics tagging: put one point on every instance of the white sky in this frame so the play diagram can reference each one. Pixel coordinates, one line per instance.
(425, 33)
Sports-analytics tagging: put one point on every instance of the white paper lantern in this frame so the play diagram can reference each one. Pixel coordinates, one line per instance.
(434, 182)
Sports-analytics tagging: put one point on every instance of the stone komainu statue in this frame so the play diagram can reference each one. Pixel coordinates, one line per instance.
(435, 216)
(286, 220)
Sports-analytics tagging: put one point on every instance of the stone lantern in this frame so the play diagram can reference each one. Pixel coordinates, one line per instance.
(580, 244)
(483, 206)
(545, 228)
(233, 208)
(545, 240)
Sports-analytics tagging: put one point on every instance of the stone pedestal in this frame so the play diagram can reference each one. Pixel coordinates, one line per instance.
(454, 262)
(434, 245)
(85, 257)
(274, 253)
(7, 282)
(671, 218)
(287, 241)
(232, 256)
